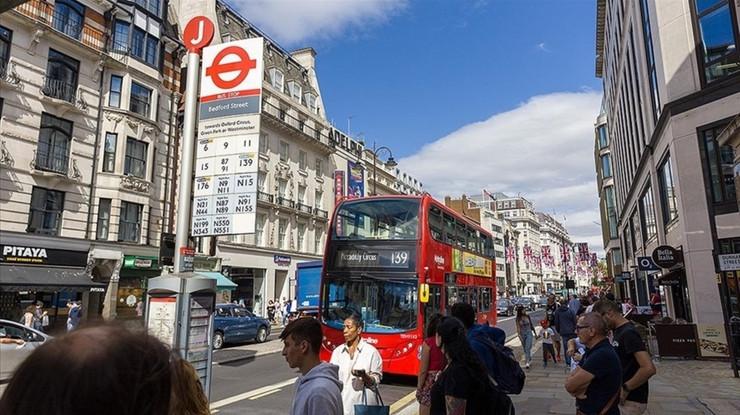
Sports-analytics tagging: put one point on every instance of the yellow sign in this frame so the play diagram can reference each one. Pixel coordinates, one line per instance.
(424, 293)
(468, 263)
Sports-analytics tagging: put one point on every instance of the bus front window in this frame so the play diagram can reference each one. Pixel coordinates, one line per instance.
(378, 220)
(385, 306)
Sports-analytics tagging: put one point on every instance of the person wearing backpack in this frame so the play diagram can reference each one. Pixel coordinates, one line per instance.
(463, 387)
(488, 344)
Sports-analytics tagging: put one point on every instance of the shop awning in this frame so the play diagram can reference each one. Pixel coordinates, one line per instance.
(20, 278)
(222, 283)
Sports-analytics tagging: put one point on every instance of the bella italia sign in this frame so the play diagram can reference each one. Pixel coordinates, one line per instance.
(666, 256)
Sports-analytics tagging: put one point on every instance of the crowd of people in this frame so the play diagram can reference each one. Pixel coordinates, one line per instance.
(281, 312)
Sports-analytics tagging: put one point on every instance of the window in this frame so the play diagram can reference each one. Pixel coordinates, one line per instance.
(53, 149)
(295, 90)
(606, 165)
(718, 165)
(318, 247)
(277, 79)
(650, 58)
(667, 191)
(261, 180)
(129, 226)
(109, 152)
(302, 160)
(103, 219)
(121, 36)
(150, 5)
(282, 188)
(264, 143)
(716, 28)
(45, 215)
(318, 199)
(259, 230)
(140, 100)
(611, 212)
(302, 194)
(379, 220)
(319, 167)
(151, 50)
(114, 99)
(282, 231)
(311, 103)
(135, 163)
(61, 78)
(284, 151)
(647, 215)
(301, 236)
(603, 139)
(69, 16)
(6, 38)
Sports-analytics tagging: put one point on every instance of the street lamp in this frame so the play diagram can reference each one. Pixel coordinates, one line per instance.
(391, 163)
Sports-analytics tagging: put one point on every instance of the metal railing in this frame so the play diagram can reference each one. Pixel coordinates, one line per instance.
(304, 208)
(53, 160)
(298, 124)
(282, 201)
(59, 89)
(321, 213)
(63, 22)
(264, 197)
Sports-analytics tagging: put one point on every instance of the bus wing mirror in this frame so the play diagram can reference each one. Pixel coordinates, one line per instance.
(424, 293)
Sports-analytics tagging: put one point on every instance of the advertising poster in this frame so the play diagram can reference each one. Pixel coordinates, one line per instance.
(712, 340)
(338, 185)
(161, 319)
(468, 263)
(355, 180)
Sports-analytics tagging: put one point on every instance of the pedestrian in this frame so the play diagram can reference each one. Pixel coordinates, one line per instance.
(271, 310)
(73, 315)
(574, 304)
(41, 317)
(637, 366)
(565, 324)
(187, 396)
(552, 306)
(461, 387)
(318, 389)
(360, 366)
(29, 316)
(596, 381)
(655, 302)
(286, 311)
(477, 333)
(548, 350)
(526, 333)
(431, 362)
(107, 370)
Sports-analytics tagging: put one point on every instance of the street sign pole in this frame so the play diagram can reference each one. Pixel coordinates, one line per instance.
(186, 167)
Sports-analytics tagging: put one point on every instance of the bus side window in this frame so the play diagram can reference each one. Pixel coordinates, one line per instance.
(473, 297)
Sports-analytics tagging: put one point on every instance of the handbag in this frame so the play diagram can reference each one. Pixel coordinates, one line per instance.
(365, 409)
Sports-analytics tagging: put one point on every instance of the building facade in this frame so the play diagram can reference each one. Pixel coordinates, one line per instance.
(671, 77)
(407, 184)
(554, 239)
(88, 98)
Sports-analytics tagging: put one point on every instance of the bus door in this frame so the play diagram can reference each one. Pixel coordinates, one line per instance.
(433, 306)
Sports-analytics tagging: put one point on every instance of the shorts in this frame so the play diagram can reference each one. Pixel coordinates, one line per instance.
(424, 396)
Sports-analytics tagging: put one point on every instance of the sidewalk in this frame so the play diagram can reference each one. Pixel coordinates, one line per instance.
(680, 387)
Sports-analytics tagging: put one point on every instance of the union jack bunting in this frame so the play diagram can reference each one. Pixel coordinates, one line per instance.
(510, 254)
(547, 259)
(565, 254)
(594, 260)
(527, 254)
(583, 251)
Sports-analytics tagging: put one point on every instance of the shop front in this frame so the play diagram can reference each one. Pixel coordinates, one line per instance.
(50, 270)
(132, 285)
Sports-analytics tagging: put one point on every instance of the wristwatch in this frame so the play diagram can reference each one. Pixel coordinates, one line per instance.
(625, 388)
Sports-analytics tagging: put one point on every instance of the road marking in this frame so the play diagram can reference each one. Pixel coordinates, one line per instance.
(262, 395)
(403, 402)
(252, 393)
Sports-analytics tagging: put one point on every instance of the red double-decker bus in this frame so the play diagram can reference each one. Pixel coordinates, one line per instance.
(382, 254)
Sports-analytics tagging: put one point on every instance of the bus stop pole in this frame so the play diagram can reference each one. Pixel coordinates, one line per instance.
(182, 229)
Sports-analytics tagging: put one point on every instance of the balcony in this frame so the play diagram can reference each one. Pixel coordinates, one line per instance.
(264, 197)
(55, 161)
(282, 117)
(285, 202)
(322, 214)
(8, 74)
(59, 89)
(308, 210)
(64, 22)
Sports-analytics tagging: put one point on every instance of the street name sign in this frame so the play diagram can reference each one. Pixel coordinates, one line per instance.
(227, 146)
(729, 262)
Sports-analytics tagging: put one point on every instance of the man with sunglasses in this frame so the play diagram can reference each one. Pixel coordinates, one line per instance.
(596, 382)
(637, 366)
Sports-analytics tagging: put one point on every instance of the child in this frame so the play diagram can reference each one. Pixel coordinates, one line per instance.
(547, 348)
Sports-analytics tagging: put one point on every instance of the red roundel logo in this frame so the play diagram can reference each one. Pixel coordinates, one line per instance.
(241, 67)
(198, 33)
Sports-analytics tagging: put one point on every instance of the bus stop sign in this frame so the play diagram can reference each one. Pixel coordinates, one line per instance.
(198, 33)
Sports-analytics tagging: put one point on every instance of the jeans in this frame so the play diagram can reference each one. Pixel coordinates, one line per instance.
(632, 408)
(548, 351)
(526, 339)
(567, 337)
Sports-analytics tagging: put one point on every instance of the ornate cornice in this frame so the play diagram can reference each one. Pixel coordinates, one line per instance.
(135, 184)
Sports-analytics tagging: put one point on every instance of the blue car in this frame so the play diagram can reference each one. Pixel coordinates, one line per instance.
(233, 324)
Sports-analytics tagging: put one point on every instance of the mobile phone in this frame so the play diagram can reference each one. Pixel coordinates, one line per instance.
(358, 372)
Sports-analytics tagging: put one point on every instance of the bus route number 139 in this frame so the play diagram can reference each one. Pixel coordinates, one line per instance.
(399, 257)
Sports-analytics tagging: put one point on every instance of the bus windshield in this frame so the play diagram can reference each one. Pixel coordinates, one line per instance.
(378, 220)
(386, 306)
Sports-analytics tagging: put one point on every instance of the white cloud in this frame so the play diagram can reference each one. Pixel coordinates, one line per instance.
(543, 47)
(542, 149)
(293, 22)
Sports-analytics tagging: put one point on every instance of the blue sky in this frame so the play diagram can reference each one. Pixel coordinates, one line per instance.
(504, 88)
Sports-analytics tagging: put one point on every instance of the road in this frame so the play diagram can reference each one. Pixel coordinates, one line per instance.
(263, 385)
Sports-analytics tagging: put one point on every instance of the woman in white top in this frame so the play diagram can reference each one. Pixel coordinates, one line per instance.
(360, 366)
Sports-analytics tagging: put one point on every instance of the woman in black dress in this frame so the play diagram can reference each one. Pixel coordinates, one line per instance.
(461, 387)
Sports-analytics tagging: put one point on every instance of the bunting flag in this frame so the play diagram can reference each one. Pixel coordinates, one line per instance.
(527, 254)
(583, 251)
(510, 254)
(487, 193)
(565, 254)
(547, 258)
(594, 260)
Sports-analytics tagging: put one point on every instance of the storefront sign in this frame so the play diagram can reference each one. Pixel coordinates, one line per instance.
(645, 263)
(282, 260)
(187, 257)
(140, 262)
(729, 262)
(676, 340)
(712, 340)
(18, 254)
(666, 256)
(671, 280)
(338, 185)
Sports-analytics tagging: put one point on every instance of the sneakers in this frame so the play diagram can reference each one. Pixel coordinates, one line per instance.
(526, 366)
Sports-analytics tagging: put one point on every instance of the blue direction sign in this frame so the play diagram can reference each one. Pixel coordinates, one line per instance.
(646, 263)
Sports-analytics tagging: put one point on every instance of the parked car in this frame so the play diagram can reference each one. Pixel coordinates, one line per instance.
(525, 302)
(234, 323)
(13, 354)
(504, 307)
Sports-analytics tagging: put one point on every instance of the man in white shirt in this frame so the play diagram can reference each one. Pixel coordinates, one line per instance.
(360, 366)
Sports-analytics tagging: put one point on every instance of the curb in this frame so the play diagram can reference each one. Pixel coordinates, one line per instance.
(236, 359)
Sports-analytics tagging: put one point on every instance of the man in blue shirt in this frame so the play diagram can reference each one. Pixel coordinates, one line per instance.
(596, 383)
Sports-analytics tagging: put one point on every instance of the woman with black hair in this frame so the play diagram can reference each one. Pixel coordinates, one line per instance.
(461, 387)
(431, 362)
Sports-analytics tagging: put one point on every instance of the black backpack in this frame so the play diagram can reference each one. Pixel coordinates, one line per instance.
(497, 400)
(509, 377)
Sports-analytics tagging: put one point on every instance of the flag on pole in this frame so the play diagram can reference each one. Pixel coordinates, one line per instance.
(583, 251)
(527, 254)
(510, 254)
(594, 260)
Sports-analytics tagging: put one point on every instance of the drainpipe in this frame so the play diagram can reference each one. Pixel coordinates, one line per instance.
(95, 157)
(173, 115)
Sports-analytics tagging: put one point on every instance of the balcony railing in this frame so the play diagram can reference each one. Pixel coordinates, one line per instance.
(297, 124)
(56, 160)
(321, 213)
(59, 89)
(64, 22)
(285, 202)
(264, 197)
(304, 208)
